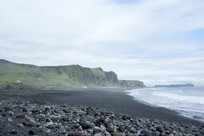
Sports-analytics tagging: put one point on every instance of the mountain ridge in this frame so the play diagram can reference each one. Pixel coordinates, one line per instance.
(62, 76)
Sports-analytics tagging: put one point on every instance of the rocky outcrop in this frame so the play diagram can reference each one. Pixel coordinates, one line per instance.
(131, 83)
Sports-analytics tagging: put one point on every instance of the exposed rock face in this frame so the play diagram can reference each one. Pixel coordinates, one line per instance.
(70, 76)
(131, 83)
(111, 77)
(65, 120)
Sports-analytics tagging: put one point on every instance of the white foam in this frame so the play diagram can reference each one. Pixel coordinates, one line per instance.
(189, 99)
(188, 102)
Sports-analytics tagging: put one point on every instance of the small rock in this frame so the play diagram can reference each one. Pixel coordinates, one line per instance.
(76, 126)
(20, 116)
(86, 125)
(50, 127)
(96, 130)
(35, 111)
(110, 129)
(103, 128)
(31, 132)
(24, 110)
(28, 124)
(63, 119)
(132, 130)
(65, 111)
(159, 129)
(101, 120)
(6, 109)
(175, 133)
(47, 120)
(13, 132)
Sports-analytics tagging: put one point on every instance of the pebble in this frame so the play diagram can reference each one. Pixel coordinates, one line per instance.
(110, 129)
(52, 120)
(13, 132)
(96, 129)
(20, 116)
(31, 132)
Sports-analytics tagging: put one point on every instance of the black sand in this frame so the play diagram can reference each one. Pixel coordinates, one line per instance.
(111, 99)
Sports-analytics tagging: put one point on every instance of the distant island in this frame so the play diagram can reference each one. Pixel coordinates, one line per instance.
(176, 85)
(26, 76)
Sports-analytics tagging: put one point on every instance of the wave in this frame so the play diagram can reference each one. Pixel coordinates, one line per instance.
(188, 99)
(189, 103)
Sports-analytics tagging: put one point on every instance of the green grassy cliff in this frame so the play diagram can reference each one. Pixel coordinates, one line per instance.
(61, 76)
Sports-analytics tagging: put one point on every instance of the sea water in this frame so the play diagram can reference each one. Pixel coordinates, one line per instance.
(188, 101)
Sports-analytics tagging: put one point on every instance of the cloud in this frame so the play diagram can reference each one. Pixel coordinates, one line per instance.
(139, 39)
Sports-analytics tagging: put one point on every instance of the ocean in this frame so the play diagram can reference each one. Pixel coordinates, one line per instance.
(188, 101)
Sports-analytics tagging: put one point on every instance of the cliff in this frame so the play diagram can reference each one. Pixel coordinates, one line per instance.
(61, 76)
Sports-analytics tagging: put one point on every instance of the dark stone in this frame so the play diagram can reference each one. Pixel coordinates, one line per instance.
(65, 111)
(121, 129)
(13, 132)
(125, 117)
(86, 125)
(35, 111)
(7, 109)
(76, 126)
(101, 120)
(41, 119)
(47, 120)
(65, 119)
(54, 119)
(110, 129)
(31, 132)
(24, 110)
(97, 130)
(20, 116)
(28, 124)
(159, 129)
(50, 127)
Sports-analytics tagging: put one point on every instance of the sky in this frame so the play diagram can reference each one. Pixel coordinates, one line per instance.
(156, 41)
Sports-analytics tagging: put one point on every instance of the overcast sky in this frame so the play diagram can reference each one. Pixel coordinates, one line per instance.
(156, 41)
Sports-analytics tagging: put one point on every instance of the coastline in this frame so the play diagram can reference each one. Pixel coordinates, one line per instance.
(186, 101)
(115, 100)
(87, 112)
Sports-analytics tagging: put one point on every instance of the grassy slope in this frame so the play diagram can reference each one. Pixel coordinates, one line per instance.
(73, 75)
(62, 76)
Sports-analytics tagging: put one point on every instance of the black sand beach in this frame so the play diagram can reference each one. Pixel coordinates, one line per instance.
(87, 112)
(110, 99)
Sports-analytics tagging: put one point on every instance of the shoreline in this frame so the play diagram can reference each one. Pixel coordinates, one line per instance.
(142, 97)
(115, 100)
(25, 118)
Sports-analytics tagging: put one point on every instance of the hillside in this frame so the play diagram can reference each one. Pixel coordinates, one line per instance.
(61, 76)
